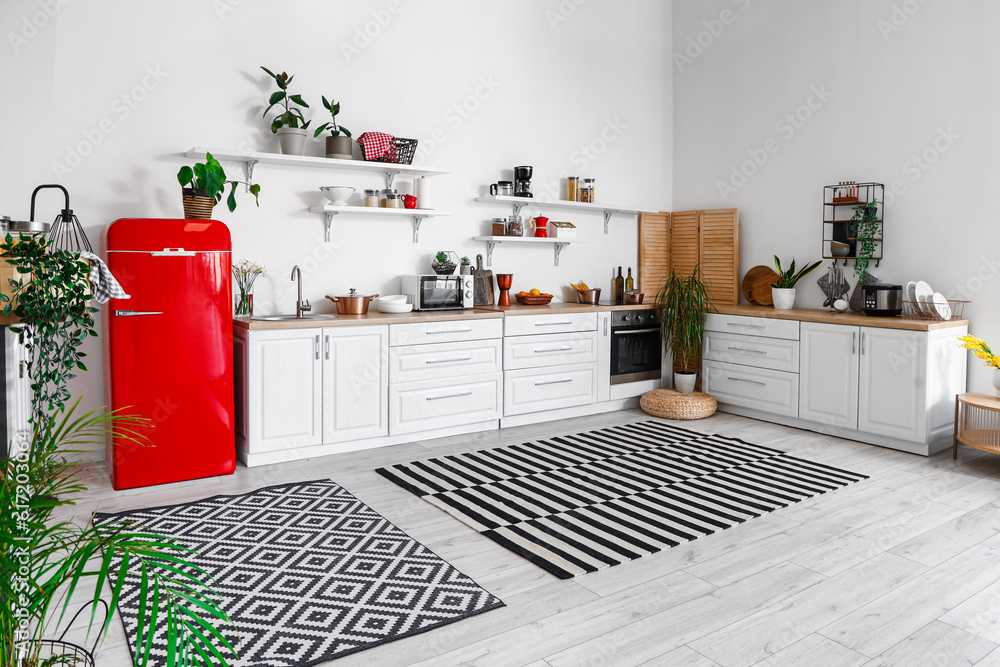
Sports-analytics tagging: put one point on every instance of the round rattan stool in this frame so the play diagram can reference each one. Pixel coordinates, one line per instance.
(669, 404)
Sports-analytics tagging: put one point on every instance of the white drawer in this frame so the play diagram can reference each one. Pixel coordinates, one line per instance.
(534, 390)
(778, 354)
(437, 361)
(752, 326)
(419, 333)
(526, 325)
(549, 350)
(425, 406)
(776, 392)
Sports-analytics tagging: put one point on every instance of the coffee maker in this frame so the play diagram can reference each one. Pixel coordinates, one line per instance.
(522, 181)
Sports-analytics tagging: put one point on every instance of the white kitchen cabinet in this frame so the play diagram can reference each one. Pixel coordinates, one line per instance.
(893, 383)
(762, 389)
(603, 356)
(440, 361)
(427, 405)
(527, 325)
(549, 350)
(828, 374)
(284, 390)
(536, 390)
(355, 381)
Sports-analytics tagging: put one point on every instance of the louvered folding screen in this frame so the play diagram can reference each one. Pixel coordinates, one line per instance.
(685, 253)
(720, 254)
(654, 252)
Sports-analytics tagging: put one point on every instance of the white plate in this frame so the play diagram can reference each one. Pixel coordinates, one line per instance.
(924, 294)
(941, 306)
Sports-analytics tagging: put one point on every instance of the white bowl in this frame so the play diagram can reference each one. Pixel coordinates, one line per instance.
(338, 194)
(395, 307)
(392, 298)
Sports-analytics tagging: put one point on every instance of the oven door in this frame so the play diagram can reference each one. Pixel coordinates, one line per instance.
(440, 293)
(635, 354)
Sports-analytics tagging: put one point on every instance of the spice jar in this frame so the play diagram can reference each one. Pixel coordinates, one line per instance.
(573, 188)
(499, 226)
(515, 227)
(587, 191)
(372, 198)
(393, 201)
(384, 196)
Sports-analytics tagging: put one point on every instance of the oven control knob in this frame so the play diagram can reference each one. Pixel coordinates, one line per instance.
(625, 318)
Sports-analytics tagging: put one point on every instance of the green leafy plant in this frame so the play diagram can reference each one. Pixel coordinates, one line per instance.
(44, 558)
(209, 178)
(332, 126)
(787, 279)
(442, 257)
(683, 303)
(865, 227)
(291, 116)
(465, 261)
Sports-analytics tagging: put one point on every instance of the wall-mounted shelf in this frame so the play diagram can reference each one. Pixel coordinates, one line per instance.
(250, 158)
(520, 202)
(416, 214)
(837, 222)
(556, 243)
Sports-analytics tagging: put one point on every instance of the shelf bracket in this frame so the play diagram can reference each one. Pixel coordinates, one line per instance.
(607, 218)
(417, 219)
(490, 245)
(517, 209)
(327, 221)
(389, 175)
(557, 250)
(250, 166)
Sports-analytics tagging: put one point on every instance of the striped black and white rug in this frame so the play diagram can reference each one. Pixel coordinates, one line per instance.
(579, 503)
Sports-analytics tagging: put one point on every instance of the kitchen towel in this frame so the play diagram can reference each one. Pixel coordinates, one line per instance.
(378, 146)
(103, 282)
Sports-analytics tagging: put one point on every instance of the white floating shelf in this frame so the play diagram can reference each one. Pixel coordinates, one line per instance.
(519, 202)
(556, 243)
(416, 214)
(390, 170)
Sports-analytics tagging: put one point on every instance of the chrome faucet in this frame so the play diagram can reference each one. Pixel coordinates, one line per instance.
(301, 306)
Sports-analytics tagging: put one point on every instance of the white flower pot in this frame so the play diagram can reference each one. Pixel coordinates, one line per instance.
(784, 298)
(292, 140)
(996, 382)
(684, 382)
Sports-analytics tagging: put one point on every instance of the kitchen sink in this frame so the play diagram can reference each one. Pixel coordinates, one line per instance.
(291, 318)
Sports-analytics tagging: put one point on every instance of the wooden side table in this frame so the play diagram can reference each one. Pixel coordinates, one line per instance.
(977, 422)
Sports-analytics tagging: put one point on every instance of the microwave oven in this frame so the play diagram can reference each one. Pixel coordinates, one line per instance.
(433, 292)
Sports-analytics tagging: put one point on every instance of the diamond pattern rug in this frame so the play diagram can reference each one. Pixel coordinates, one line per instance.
(308, 573)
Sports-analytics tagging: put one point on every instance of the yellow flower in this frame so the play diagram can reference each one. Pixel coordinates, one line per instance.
(980, 349)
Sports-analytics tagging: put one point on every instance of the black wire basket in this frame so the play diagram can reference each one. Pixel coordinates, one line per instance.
(64, 653)
(404, 151)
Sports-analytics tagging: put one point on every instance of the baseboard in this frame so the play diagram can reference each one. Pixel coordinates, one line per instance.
(567, 413)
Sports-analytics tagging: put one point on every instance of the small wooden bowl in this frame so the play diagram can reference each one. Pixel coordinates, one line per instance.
(530, 300)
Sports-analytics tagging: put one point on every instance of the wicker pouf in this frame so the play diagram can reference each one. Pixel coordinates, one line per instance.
(669, 404)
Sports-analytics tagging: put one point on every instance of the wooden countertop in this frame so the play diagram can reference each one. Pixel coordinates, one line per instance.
(560, 307)
(373, 317)
(848, 318)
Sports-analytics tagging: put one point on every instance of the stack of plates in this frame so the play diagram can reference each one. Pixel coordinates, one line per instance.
(394, 303)
(928, 302)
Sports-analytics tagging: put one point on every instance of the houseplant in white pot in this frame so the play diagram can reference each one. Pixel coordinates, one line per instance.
(783, 289)
(683, 302)
(338, 144)
(290, 125)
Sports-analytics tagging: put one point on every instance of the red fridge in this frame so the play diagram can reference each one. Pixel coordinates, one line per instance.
(168, 351)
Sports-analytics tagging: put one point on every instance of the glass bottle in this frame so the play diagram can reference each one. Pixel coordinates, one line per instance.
(629, 283)
(573, 188)
(619, 288)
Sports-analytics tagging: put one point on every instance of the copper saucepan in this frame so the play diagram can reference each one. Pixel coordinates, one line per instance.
(353, 303)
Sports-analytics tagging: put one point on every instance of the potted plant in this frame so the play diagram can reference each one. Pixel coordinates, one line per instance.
(465, 268)
(44, 559)
(783, 289)
(683, 302)
(444, 263)
(290, 125)
(864, 229)
(207, 181)
(338, 144)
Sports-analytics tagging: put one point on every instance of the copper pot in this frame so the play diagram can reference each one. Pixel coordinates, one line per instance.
(353, 303)
(634, 297)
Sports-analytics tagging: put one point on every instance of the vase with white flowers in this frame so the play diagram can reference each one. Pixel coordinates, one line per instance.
(244, 275)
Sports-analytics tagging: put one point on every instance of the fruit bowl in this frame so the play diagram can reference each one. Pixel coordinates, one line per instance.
(530, 300)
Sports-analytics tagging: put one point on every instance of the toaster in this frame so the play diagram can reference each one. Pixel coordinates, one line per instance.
(882, 300)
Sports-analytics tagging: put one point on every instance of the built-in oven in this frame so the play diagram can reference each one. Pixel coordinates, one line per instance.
(636, 348)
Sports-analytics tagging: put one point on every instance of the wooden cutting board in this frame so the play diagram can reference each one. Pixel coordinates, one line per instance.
(757, 285)
(482, 280)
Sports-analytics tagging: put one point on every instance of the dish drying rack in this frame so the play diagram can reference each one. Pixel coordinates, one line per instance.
(916, 310)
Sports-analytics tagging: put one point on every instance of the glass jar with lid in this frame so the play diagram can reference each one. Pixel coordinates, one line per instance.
(393, 200)
(572, 188)
(514, 226)
(371, 198)
(385, 194)
(587, 191)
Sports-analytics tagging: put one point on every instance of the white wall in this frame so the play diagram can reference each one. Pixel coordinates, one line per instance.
(560, 73)
(914, 102)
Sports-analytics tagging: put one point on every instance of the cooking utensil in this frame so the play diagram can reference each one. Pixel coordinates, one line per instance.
(541, 227)
(634, 297)
(757, 285)
(353, 303)
(482, 284)
(337, 194)
(590, 296)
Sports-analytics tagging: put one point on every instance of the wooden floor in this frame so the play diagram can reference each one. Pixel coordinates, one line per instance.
(900, 569)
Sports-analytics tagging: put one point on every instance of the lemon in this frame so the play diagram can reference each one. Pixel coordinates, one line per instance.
(536, 292)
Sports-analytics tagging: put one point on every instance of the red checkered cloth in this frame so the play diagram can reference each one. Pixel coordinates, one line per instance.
(378, 146)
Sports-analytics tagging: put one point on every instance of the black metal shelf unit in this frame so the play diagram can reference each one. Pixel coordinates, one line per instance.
(839, 203)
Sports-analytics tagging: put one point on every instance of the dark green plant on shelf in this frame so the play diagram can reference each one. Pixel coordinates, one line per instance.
(44, 558)
(335, 129)
(787, 279)
(865, 227)
(208, 178)
(292, 115)
(683, 303)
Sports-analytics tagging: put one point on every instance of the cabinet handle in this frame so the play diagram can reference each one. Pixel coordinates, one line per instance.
(327, 346)
(737, 324)
(862, 342)
(316, 346)
(539, 384)
(439, 398)
(746, 349)
(553, 324)
(763, 384)
(136, 313)
(554, 349)
(854, 342)
(449, 331)
(447, 361)
(605, 326)
(632, 332)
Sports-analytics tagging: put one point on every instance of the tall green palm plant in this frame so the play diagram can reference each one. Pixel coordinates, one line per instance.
(683, 303)
(43, 559)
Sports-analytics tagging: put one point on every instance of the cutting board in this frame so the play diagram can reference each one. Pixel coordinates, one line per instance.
(482, 280)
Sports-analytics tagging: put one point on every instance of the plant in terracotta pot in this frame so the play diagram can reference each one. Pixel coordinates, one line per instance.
(338, 144)
(290, 125)
(683, 303)
(783, 289)
(202, 186)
